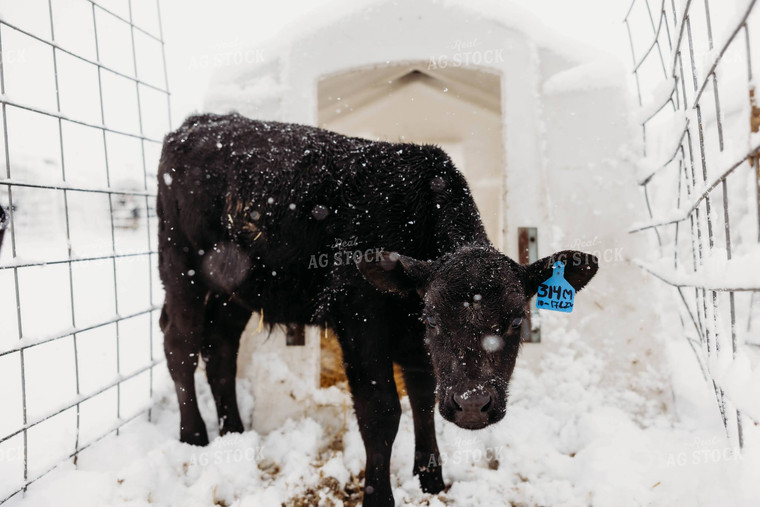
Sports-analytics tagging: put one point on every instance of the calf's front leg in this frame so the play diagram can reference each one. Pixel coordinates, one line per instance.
(420, 387)
(378, 412)
(369, 369)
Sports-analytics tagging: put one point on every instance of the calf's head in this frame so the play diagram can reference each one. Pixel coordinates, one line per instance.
(473, 305)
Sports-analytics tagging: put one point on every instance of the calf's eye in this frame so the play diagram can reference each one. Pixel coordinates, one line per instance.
(431, 321)
(517, 322)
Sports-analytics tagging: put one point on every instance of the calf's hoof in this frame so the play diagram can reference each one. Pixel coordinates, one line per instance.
(431, 479)
(373, 498)
(230, 426)
(199, 438)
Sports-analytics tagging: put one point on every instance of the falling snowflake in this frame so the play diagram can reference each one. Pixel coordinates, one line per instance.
(492, 343)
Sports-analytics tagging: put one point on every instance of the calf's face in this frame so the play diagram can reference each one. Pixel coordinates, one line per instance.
(473, 305)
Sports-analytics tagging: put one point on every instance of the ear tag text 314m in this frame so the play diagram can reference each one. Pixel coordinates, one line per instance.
(556, 293)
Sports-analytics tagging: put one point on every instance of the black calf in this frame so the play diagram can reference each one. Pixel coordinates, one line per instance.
(250, 215)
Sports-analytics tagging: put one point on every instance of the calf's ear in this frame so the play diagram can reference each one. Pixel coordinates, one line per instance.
(580, 268)
(392, 272)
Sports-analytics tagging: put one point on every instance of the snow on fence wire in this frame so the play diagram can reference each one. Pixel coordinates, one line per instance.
(84, 103)
(693, 64)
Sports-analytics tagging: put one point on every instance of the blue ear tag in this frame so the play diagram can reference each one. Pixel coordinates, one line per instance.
(556, 293)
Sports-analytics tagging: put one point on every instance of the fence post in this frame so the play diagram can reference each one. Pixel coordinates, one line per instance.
(527, 245)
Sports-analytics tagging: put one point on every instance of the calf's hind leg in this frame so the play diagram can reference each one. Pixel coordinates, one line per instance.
(182, 324)
(225, 322)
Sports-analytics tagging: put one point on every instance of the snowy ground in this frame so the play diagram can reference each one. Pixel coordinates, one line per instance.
(566, 440)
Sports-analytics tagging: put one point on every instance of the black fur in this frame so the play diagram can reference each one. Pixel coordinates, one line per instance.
(249, 211)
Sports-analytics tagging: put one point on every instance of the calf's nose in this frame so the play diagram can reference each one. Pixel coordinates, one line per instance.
(471, 409)
(472, 403)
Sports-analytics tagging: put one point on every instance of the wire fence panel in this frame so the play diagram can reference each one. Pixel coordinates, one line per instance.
(693, 64)
(84, 103)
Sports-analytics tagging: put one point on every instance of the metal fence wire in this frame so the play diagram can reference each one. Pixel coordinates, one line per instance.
(84, 103)
(693, 64)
